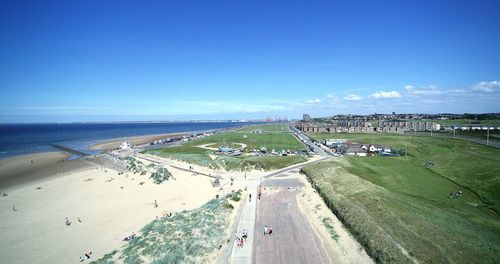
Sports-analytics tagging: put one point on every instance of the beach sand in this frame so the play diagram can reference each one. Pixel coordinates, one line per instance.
(36, 232)
(33, 167)
(138, 140)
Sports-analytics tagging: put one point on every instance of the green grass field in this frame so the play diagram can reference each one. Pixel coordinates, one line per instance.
(186, 237)
(267, 128)
(393, 202)
(449, 122)
(275, 137)
(482, 134)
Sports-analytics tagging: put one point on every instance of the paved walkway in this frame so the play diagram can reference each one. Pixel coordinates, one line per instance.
(293, 239)
(247, 221)
(248, 216)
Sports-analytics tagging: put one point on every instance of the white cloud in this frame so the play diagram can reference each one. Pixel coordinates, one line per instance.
(486, 87)
(331, 96)
(313, 101)
(383, 94)
(427, 90)
(352, 97)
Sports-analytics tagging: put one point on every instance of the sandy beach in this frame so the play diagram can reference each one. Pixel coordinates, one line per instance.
(110, 206)
(33, 167)
(138, 140)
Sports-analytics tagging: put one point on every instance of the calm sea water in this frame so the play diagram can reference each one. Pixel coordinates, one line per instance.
(20, 139)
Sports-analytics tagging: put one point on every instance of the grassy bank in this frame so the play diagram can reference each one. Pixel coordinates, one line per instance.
(275, 137)
(187, 237)
(199, 156)
(396, 203)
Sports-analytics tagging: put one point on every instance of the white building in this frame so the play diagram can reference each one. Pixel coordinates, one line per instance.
(125, 145)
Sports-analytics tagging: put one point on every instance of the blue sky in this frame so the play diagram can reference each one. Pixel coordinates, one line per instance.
(154, 60)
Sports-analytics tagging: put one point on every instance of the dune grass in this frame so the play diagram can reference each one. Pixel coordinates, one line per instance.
(158, 173)
(187, 237)
(390, 203)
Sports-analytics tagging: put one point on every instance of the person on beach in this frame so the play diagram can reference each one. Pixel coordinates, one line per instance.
(270, 230)
(265, 230)
(250, 197)
(14, 209)
(68, 223)
(79, 219)
(156, 204)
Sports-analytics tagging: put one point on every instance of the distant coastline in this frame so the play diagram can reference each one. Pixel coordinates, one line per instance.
(24, 139)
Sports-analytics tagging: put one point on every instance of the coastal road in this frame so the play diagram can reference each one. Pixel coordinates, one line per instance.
(308, 141)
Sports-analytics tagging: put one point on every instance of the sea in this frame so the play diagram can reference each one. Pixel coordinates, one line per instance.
(22, 139)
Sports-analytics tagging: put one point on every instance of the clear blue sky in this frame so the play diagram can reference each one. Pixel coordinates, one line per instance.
(124, 60)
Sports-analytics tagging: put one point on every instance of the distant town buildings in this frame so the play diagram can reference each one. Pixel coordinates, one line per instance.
(362, 126)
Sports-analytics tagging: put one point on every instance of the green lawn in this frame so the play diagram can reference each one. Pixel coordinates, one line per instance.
(267, 128)
(186, 237)
(482, 134)
(391, 201)
(272, 138)
(489, 122)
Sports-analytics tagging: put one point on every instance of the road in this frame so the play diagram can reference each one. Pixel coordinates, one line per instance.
(311, 144)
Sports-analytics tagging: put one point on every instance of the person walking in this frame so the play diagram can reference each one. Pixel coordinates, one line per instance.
(265, 230)
(156, 204)
(245, 235)
(270, 230)
(250, 197)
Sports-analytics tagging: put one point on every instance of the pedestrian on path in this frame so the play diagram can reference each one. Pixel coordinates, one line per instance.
(250, 197)
(265, 230)
(245, 235)
(270, 230)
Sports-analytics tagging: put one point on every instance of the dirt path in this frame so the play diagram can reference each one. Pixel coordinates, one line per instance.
(207, 146)
(293, 240)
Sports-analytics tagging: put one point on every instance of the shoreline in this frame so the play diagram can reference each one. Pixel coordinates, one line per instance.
(114, 143)
(29, 169)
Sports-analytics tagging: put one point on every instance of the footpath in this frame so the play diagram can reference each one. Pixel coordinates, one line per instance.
(247, 221)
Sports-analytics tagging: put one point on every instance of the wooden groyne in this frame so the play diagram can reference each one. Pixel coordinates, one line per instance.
(69, 150)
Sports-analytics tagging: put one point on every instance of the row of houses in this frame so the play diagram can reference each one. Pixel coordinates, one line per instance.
(182, 138)
(398, 126)
(331, 128)
(344, 147)
(475, 127)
